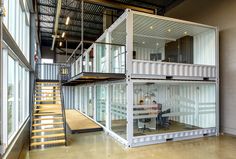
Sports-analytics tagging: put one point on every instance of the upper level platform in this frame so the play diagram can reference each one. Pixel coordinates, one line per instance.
(140, 45)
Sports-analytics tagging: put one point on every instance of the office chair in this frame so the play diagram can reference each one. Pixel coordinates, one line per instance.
(163, 122)
(145, 121)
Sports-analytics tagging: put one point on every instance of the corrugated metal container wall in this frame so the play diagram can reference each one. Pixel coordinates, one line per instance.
(69, 94)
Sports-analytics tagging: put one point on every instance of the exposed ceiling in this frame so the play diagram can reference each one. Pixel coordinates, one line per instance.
(93, 18)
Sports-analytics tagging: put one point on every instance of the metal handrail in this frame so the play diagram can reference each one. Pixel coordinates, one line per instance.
(62, 104)
(32, 109)
(48, 71)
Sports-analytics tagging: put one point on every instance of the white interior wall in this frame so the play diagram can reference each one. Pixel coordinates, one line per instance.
(204, 48)
(143, 53)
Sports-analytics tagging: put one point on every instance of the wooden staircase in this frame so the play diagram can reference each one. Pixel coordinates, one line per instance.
(48, 116)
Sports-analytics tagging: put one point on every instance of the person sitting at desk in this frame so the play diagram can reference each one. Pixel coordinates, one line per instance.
(143, 120)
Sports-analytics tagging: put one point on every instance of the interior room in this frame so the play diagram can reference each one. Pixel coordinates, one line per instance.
(112, 79)
(170, 107)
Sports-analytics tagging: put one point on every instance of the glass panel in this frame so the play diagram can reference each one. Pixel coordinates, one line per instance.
(101, 60)
(118, 109)
(101, 98)
(91, 61)
(20, 95)
(90, 97)
(170, 41)
(117, 59)
(83, 99)
(167, 107)
(10, 96)
(110, 58)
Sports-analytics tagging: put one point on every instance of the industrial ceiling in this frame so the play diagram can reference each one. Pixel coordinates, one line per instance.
(93, 17)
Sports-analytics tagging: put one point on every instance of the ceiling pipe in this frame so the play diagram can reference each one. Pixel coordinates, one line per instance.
(58, 12)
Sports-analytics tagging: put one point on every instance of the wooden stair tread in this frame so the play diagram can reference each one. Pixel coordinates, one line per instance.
(47, 100)
(55, 118)
(47, 104)
(47, 92)
(47, 96)
(46, 130)
(48, 109)
(48, 142)
(46, 86)
(56, 123)
(40, 88)
(46, 114)
(46, 82)
(47, 136)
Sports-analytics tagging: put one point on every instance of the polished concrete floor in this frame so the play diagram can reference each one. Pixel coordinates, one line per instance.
(98, 145)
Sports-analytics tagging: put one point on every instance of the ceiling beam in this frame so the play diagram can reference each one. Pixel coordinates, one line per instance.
(74, 39)
(68, 30)
(120, 5)
(72, 19)
(77, 10)
(58, 12)
(71, 25)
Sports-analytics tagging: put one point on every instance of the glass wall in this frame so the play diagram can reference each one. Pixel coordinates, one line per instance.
(83, 99)
(17, 14)
(15, 81)
(101, 102)
(172, 107)
(108, 102)
(16, 88)
(118, 114)
(110, 58)
(90, 101)
(11, 87)
(165, 40)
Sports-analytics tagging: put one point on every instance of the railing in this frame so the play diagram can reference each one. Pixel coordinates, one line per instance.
(141, 67)
(61, 74)
(53, 71)
(100, 58)
(32, 110)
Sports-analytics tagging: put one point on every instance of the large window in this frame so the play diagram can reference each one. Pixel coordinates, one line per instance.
(11, 96)
(118, 110)
(101, 93)
(17, 90)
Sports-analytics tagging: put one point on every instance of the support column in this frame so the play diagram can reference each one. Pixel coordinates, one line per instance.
(129, 83)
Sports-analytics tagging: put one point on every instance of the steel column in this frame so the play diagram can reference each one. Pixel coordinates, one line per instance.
(129, 57)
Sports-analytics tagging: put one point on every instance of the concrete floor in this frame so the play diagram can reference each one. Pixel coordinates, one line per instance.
(97, 145)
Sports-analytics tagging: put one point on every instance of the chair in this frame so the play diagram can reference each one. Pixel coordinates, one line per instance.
(163, 122)
(145, 121)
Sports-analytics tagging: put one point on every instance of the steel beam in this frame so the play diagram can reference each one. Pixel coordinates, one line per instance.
(119, 5)
(76, 10)
(71, 25)
(58, 12)
(74, 31)
(73, 19)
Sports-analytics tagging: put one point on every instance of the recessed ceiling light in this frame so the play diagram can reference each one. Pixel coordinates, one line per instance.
(169, 30)
(157, 44)
(67, 20)
(63, 35)
(185, 33)
(143, 42)
(151, 27)
(60, 44)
